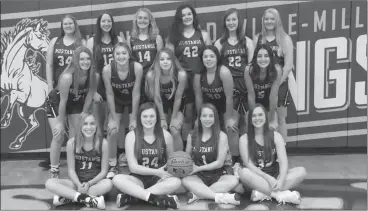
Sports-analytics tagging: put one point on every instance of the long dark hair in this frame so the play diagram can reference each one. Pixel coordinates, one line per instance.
(214, 50)
(97, 40)
(240, 34)
(256, 70)
(139, 133)
(177, 26)
(215, 130)
(267, 134)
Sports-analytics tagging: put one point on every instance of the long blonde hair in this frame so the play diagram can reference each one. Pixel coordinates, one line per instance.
(280, 33)
(152, 85)
(80, 140)
(74, 69)
(77, 33)
(153, 30)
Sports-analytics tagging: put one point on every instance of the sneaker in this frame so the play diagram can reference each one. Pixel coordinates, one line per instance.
(59, 200)
(289, 197)
(45, 164)
(96, 202)
(54, 173)
(236, 169)
(192, 197)
(123, 161)
(258, 196)
(168, 201)
(112, 172)
(123, 199)
(229, 198)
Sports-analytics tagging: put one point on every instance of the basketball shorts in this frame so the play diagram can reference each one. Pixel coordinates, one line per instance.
(273, 170)
(102, 90)
(147, 180)
(284, 95)
(189, 95)
(210, 177)
(119, 108)
(240, 95)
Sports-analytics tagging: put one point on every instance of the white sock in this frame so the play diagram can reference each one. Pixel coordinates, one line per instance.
(76, 196)
(218, 196)
(112, 161)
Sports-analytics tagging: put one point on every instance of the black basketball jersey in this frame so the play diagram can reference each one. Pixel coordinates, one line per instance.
(207, 153)
(277, 54)
(165, 91)
(61, 58)
(214, 92)
(149, 154)
(123, 89)
(188, 51)
(234, 57)
(81, 94)
(87, 164)
(143, 52)
(105, 52)
(266, 165)
(262, 90)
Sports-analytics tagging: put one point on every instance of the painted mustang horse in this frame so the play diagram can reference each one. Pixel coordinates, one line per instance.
(19, 79)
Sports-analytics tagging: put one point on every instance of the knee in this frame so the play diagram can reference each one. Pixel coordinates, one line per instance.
(175, 182)
(107, 183)
(233, 181)
(175, 131)
(245, 174)
(50, 183)
(302, 172)
(185, 181)
(117, 178)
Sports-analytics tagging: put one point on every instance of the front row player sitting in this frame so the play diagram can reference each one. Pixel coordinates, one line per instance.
(208, 146)
(87, 160)
(263, 152)
(147, 149)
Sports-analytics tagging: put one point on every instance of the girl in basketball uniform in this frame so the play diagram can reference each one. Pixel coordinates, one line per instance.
(122, 79)
(165, 85)
(71, 97)
(187, 41)
(59, 56)
(236, 51)
(144, 42)
(208, 147)
(87, 160)
(262, 78)
(281, 44)
(264, 155)
(214, 85)
(101, 46)
(147, 149)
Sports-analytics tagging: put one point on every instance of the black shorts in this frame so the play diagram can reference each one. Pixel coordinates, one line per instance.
(210, 177)
(189, 95)
(284, 95)
(102, 90)
(120, 108)
(273, 170)
(241, 105)
(147, 180)
(52, 104)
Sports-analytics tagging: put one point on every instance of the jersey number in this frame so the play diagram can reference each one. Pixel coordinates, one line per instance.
(146, 56)
(84, 165)
(261, 94)
(191, 53)
(235, 61)
(62, 62)
(154, 162)
(204, 159)
(107, 58)
(214, 96)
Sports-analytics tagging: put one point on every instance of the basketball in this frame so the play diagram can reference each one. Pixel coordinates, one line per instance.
(180, 164)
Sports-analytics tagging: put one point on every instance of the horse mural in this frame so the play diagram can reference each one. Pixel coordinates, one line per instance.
(20, 82)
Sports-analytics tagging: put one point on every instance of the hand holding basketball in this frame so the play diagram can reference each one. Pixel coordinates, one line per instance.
(180, 164)
(195, 169)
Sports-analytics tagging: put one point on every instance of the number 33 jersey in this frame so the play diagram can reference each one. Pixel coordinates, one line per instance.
(87, 164)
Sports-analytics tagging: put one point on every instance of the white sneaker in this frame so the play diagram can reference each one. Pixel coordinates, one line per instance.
(98, 202)
(227, 198)
(289, 197)
(236, 169)
(122, 161)
(258, 196)
(59, 200)
(192, 197)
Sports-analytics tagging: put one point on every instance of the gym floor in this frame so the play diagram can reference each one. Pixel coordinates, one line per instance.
(333, 182)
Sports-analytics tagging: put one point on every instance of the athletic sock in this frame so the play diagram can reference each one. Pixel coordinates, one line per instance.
(112, 161)
(54, 168)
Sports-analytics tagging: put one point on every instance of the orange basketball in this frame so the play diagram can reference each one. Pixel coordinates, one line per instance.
(180, 164)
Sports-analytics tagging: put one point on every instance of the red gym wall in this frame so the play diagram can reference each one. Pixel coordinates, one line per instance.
(330, 50)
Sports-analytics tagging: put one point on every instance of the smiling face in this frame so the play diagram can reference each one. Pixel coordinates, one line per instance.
(106, 23)
(232, 22)
(207, 117)
(209, 58)
(269, 21)
(263, 59)
(142, 20)
(187, 16)
(68, 26)
(89, 126)
(121, 55)
(258, 117)
(148, 118)
(165, 62)
(84, 61)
